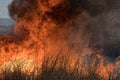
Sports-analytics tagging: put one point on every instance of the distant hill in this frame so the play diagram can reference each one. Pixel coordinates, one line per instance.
(6, 26)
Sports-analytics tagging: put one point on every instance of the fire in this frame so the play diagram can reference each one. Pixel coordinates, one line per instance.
(46, 26)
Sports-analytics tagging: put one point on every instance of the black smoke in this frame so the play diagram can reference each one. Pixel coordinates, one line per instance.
(101, 22)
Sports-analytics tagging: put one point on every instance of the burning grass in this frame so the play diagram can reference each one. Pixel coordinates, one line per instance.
(50, 25)
(56, 67)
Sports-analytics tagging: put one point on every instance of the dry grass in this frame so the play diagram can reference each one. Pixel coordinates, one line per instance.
(54, 68)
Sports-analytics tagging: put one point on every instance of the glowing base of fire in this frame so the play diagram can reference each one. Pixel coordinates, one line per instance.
(83, 63)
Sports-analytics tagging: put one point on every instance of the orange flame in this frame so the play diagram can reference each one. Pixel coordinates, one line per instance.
(36, 34)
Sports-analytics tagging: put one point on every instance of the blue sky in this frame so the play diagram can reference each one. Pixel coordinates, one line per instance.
(4, 9)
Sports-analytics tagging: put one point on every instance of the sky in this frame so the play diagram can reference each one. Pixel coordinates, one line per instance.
(4, 8)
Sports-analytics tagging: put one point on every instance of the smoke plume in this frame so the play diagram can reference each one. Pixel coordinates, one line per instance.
(68, 25)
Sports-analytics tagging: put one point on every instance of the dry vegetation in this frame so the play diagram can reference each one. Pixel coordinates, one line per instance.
(53, 68)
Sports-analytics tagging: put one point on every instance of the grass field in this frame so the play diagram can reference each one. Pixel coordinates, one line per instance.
(54, 68)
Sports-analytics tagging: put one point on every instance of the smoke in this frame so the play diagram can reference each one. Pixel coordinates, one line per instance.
(79, 23)
(68, 25)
